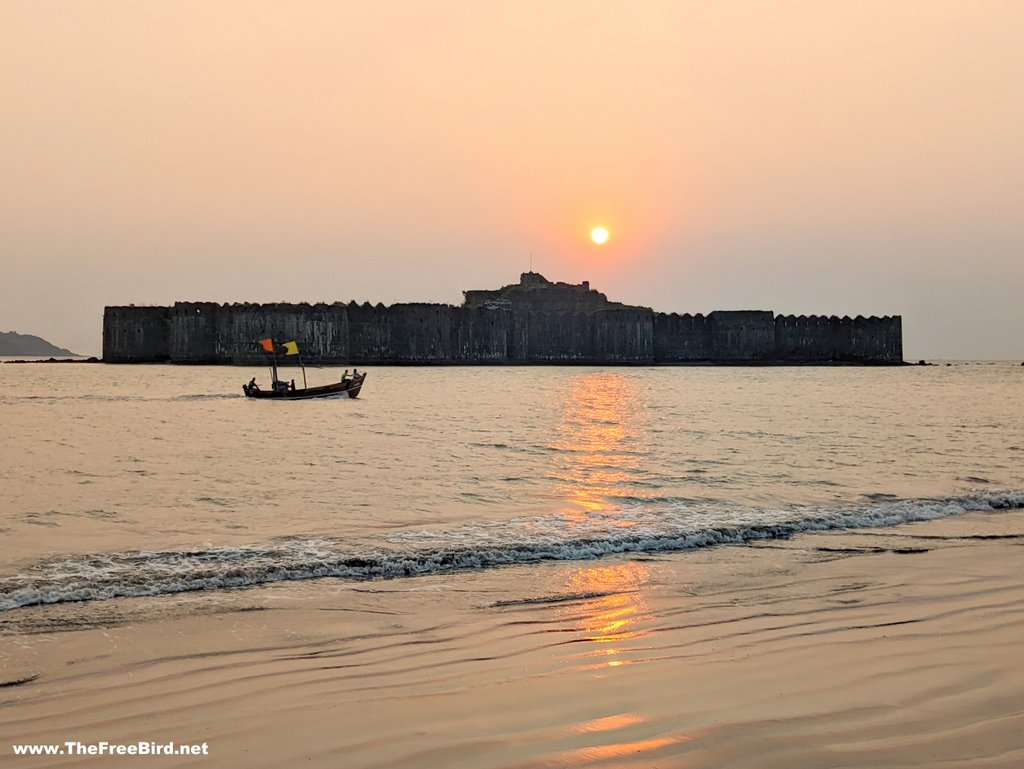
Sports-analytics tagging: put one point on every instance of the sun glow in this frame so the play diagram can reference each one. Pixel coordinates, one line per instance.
(599, 235)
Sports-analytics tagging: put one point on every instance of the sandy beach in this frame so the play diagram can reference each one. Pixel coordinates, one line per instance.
(896, 647)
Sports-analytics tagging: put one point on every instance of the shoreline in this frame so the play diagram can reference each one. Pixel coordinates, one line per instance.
(850, 648)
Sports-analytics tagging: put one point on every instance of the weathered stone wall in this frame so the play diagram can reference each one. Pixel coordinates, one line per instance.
(623, 335)
(480, 335)
(852, 340)
(746, 335)
(322, 327)
(420, 333)
(192, 332)
(559, 337)
(516, 324)
(682, 338)
(369, 334)
(133, 334)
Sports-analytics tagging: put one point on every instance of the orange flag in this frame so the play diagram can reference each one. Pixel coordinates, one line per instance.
(268, 344)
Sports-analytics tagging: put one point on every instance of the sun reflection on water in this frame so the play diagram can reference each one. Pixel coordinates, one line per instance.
(598, 447)
(597, 461)
(639, 751)
(611, 620)
(611, 627)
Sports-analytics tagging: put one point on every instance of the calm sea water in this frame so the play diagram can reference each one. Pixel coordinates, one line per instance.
(154, 480)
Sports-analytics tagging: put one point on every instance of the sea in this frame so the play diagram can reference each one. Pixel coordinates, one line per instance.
(154, 481)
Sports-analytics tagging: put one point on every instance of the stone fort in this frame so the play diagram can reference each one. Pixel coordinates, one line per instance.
(533, 321)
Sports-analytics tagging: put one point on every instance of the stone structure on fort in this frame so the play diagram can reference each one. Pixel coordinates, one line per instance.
(533, 321)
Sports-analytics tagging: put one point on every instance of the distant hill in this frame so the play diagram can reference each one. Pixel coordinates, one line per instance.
(13, 343)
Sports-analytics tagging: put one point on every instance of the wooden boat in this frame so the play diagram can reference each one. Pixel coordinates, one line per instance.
(348, 387)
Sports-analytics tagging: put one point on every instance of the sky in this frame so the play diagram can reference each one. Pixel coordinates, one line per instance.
(826, 157)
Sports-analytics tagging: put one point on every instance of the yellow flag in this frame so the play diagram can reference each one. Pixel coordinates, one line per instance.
(267, 344)
(290, 348)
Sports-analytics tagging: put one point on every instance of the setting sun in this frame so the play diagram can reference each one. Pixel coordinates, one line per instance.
(599, 235)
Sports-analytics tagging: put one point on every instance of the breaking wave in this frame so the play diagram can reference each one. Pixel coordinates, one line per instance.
(637, 529)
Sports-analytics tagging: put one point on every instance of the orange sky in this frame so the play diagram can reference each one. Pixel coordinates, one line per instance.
(804, 157)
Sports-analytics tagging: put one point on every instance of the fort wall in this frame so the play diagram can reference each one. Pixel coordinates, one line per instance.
(136, 334)
(682, 338)
(535, 321)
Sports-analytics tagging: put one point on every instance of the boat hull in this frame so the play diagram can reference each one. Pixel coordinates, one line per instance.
(348, 388)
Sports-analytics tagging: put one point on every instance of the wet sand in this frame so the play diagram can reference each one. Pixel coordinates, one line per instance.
(894, 647)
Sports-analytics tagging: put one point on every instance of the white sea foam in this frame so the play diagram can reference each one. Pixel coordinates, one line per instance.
(634, 529)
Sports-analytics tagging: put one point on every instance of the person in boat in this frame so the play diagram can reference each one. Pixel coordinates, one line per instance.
(293, 385)
(344, 377)
(253, 385)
